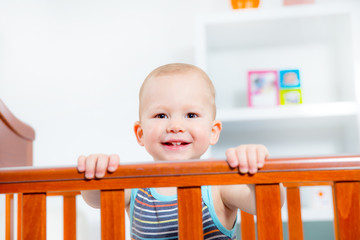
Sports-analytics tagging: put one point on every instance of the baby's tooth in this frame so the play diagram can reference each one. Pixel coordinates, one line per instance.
(178, 143)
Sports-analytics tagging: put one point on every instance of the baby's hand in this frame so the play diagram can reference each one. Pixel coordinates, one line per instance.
(97, 164)
(248, 158)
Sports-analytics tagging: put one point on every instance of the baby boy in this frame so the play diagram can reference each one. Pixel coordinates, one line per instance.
(177, 121)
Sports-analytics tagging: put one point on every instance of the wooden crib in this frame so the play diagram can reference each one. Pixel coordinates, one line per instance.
(341, 173)
(33, 185)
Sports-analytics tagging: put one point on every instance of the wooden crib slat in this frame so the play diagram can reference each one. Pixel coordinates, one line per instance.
(336, 232)
(19, 215)
(294, 214)
(112, 214)
(268, 211)
(347, 197)
(9, 222)
(69, 217)
(34, 216)
(247, 226)
(190, 213)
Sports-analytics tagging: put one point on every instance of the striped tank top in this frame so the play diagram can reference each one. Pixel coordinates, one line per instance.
(155, 217)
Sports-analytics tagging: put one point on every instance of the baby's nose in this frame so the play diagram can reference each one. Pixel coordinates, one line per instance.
(176, 127)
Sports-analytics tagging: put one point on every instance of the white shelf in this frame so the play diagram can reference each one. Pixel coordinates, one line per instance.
(336, 109)
(338, 121)
(276, 24)
(316, 40)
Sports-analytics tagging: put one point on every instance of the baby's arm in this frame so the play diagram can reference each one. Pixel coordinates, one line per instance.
(247, 158)
(95, 166)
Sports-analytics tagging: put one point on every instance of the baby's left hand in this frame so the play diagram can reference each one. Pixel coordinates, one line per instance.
(248, 158)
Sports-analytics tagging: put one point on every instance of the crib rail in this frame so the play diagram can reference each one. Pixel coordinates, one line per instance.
(341, 172)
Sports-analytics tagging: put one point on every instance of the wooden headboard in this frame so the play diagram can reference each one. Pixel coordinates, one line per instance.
(16, 140)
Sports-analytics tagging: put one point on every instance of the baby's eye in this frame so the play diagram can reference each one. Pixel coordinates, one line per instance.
(161, 115)
(191, 115)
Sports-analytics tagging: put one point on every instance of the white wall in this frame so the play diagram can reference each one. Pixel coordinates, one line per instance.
(71, 69)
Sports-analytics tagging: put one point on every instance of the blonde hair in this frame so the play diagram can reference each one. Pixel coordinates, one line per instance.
(178, 68)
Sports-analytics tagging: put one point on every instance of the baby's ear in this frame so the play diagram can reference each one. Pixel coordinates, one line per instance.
(139, 133)
(215, 132)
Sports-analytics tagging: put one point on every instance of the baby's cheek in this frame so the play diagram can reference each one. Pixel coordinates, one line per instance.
(203, 142)
(150, 139)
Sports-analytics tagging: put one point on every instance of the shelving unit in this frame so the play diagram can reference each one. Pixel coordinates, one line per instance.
(317, 41)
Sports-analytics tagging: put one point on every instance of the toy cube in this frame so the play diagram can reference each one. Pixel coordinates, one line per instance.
(289, 78)
(263, 89)
(290, 96)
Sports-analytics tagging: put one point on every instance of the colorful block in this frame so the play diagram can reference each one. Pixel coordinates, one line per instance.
(290, 96)
(289, 78)
(263, 88)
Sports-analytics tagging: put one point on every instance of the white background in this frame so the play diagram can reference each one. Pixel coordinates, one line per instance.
(72, 70)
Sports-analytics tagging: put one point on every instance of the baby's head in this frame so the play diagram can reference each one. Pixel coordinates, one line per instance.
(177, 113)
(168, 71)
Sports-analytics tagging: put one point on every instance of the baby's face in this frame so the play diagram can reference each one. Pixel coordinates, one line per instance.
(177, 117)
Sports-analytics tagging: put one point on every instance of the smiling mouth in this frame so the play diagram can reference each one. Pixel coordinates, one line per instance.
(175, 144)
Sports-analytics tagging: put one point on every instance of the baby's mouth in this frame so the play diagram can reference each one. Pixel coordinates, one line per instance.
(175, 144)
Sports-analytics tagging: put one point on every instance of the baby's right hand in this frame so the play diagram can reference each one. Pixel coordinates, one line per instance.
(96, 165)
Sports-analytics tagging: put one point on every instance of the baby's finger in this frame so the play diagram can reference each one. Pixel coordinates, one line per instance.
(81, 163)
(101, 166)
(252, 158)
(242, 159)
(90, 165)
(262, 155)
(113, 163)
(231, 157)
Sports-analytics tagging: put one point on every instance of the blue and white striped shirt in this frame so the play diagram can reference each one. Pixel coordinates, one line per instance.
(155, 217)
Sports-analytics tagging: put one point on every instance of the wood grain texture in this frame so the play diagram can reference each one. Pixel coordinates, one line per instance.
(112, 215)
(183, 168)
(9, 217)
(190, 213)
(268, 211)
(182, 174)
(69, 211)
(247, 226)
(347, 197)
(34, 216)
(294, 214)
(44, 184)
(68, 193)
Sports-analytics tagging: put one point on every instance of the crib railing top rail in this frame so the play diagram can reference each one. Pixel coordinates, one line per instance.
(182, 173)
